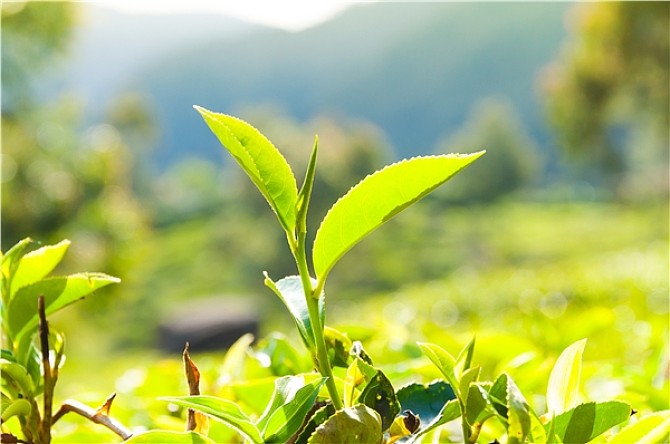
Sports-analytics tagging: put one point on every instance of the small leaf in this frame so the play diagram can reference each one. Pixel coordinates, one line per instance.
(168, 437)
(305, 193)
(58, 293)
(293, 406)
(358, 374)
(376, 199)
(587, 421)
(358, 424)
(338, 345)
(379, 395)
(37, 264)
(464, 358)
(10, 261)
(563, 387)
(19, 407)
(17, 376)
(442, 360)
(449, 412)
(469, 376)
(221, 410)
(476, 404)
(262, 162)
(651, 429)
(292, 294)
(319, 417)
(426, 401)
(233, 361)
(518, 414)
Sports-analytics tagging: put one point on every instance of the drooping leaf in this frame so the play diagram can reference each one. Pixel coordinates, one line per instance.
(379, 395)
(222, 410)
(583, 423)
(37, 264)
(58, 293)
(262, 162)
(376, 199)
(17, 376)
(358, 424)
(292, 294)
(563, 387)
(290, 402)
(651, 429)
(518, 414)
(168, 437)
(18, 407)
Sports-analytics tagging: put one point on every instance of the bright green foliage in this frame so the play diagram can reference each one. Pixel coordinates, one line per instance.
(376, 199)
(262, 162)
(649, 430)
(28, 370)
(221, 410)
(358, 424)
(587, 421)
(563, 387)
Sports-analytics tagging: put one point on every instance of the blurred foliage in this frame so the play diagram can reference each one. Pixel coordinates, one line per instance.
(608, 93)
(511, 162)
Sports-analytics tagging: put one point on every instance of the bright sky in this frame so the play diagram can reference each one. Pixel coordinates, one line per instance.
(291, 15)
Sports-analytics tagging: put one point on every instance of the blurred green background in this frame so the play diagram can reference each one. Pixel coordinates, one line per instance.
(559, 232)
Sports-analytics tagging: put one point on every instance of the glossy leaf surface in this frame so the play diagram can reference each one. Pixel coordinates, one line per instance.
(587, 421)
(376, 199)
(358, 424)
(263, 163)
(563, 387)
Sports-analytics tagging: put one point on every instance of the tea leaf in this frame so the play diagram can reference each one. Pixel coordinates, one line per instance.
(290, 404)
(586, 421)
(442, 360)
(292, 294)
(358, 424)
(379, 395)
(376, 199)
(223, 411)
(37, 264)
(262, 162)
(426, 401)
(563, 387)
(649, 430)
(518, 414)
(58, 292)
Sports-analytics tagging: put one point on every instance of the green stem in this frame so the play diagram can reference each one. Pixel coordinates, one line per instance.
(315, 319)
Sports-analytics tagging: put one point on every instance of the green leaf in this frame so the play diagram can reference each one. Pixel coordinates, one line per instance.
(306, 190)
(358, 373)
(292, 294)
(563, 387)
(651, 429)
(449, 412)
(464, 358)
(262, 162)
(10, 261)
(37, 264)
(587, 421)
(338, 345)
(358, 424)
(425, 401)
(19, 407)
(17, 375)
(442, 360)
(319, 417)
(290, 403)
(221, 410)
(58, 293)
(469, 376)
(379, 395)
(518, 414)
(476, 404)
(376, 199)
(168, 437)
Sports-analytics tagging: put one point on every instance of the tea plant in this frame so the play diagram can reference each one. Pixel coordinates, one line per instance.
(347, 399)
(32, 353)
(363, 405)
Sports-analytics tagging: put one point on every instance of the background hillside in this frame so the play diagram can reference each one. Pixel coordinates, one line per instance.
(405, 67)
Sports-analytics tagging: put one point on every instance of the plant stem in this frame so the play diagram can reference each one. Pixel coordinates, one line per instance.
(45, 425)
(315, 319)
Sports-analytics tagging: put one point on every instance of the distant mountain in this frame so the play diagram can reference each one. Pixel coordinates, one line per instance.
(109, 47)
(414, 69)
